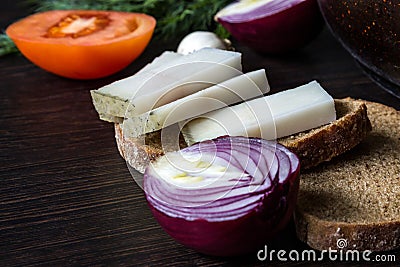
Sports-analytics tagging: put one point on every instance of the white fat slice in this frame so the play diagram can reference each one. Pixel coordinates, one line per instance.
(270, 117)
(164, 58)
(167, 82)
(246, 86)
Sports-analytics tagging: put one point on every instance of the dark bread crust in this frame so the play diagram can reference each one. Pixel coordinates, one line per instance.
(356, 196)
(139, 152)
(324, 143)
(312, 147)
(323, 234)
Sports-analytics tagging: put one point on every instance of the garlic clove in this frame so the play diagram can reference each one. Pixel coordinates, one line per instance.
(201, 39)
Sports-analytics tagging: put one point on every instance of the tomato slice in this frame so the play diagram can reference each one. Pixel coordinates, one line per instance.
(82, 44)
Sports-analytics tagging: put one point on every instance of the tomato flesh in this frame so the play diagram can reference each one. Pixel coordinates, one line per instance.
(82, 44)
(77, 26)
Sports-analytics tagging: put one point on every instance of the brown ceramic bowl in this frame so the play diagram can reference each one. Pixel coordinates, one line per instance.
(370, 31)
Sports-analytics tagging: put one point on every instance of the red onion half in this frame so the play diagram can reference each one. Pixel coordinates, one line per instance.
(272, 26)
(226, 196)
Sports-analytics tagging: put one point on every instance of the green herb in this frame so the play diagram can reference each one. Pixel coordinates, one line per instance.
(6, 45)
(175, 19)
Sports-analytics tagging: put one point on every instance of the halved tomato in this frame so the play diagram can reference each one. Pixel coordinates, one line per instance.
(82, 44)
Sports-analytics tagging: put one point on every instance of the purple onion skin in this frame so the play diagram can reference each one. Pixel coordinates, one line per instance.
(285, 31)
(238, 236)
(235, 237)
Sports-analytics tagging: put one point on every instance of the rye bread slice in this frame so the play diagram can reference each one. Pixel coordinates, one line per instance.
(312, 147)
(356, 196)
(139, 152)
(326, 142)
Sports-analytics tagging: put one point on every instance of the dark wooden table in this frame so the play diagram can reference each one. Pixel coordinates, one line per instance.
(67, 197)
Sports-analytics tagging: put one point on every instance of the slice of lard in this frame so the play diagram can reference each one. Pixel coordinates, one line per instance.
(237, 89)
(165, 58)
(168, 81)
(270, 117)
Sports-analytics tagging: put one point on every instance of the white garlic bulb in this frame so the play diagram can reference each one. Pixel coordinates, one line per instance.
(200, 39)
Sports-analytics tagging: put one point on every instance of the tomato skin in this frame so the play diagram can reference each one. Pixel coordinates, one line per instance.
(87, 57)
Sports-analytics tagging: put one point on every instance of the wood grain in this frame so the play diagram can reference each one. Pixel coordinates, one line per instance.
(67, 197)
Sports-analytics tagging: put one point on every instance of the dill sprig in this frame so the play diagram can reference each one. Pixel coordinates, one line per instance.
(175, 19)
(7, 46)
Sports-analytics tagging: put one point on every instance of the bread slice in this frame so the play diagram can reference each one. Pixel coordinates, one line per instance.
(323, 143)
(139, 152)
(312, 147)
(356, 196)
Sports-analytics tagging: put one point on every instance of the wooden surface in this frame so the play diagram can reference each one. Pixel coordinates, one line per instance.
(67, 197)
